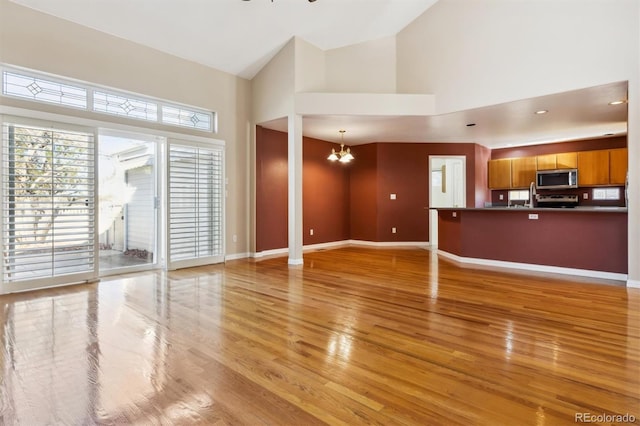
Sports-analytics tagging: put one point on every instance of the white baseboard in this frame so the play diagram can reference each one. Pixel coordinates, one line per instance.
(237, 256)
(273, 252)
(535, 267)
(420, 244)
(633, 283)
(336, 244)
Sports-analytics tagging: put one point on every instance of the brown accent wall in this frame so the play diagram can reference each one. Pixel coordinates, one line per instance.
(271, 189)
(325, 194)
(364, 195)
(555, 148)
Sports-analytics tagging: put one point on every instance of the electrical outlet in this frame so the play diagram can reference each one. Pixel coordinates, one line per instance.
(585, 195)
(501, 197)
(392, 196)
(235, 238)
(393, 230)
(311, 231)
(533, 216)
(454, 214)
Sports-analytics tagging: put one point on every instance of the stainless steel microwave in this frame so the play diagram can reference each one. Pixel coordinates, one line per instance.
(557, 179)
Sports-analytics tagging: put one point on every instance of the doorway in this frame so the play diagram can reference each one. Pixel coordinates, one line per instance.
(127, 202)
(447, 188)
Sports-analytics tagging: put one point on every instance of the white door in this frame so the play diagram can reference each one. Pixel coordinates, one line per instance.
(447, 188)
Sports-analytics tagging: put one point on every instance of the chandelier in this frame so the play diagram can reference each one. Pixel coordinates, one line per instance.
(344, 156)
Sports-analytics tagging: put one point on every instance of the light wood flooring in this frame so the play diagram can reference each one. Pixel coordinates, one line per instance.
(355, 336)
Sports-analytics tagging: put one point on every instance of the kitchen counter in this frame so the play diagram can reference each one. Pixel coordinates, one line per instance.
(589, 239)
(598, 209)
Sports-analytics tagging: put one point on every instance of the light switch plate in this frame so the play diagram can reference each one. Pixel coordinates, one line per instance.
(392, 196)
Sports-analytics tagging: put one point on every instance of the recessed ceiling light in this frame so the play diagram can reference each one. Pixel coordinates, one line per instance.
(609, 134)
(622, 101)
(542, 111)
(471, 124)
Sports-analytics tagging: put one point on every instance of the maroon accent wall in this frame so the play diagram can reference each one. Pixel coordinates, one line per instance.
(403, 169)
(351, 201)
(271, 189)
(363, 195)
(591, 240)
(555, 148)
(326, 194)
(483, 193)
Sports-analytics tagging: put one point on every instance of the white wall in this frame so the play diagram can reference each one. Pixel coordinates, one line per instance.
(274, 86)
(309, 67)
(473, 53)
(42, 42)
(368, 67)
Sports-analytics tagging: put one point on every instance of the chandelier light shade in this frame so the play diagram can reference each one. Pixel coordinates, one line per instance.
(344, 155)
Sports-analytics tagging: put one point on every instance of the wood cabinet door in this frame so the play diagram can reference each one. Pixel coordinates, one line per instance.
(500, 174)
(523, 172)
(618, 163)
(593, 168)
(546, 162)
(567, 160)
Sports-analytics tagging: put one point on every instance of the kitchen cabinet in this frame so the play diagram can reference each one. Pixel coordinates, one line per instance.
(546, 162)
(618, 163)
(523, 172)
(593, 168)
(500, 174)
(567, 160)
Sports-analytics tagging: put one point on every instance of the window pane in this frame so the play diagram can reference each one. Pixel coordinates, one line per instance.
(111, 103)
(48, 203)
(195, 202)
(179, 116)
(42, 90)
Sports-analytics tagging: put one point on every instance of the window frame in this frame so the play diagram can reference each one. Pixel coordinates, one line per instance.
(91, 89)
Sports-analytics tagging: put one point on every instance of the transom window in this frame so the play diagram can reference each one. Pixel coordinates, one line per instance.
(63, 92)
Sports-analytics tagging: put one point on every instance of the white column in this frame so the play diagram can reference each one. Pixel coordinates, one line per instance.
(295, 189)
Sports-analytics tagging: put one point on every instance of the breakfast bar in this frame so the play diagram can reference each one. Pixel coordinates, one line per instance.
(589, 241)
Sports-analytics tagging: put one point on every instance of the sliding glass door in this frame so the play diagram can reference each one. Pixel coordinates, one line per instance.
(74, 208)
(195, 185)
(48, 204)
(128, 237)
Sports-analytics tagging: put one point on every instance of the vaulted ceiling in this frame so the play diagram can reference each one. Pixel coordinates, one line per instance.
(241, 36)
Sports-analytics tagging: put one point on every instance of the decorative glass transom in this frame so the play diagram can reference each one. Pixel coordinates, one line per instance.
(43, 90)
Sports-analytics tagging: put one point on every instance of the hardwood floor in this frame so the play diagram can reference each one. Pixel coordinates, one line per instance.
(355, 336)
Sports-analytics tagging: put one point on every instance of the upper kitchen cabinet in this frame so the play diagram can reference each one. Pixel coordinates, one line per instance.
(500, 174)
(546, 162)
(567, 160)
(618, 163)
(593, 168)
(523, 172)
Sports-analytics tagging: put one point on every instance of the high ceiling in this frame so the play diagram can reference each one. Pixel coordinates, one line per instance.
(240, 37)
(236, 36)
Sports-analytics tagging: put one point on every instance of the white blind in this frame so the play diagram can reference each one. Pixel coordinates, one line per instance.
(196, 196)
(47, 202)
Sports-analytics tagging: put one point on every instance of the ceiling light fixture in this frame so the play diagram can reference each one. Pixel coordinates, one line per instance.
(344, 156)
(542, 111)
(622, 101)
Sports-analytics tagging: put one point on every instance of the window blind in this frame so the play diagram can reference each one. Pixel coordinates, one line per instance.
(47, 203)
(196, 198)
